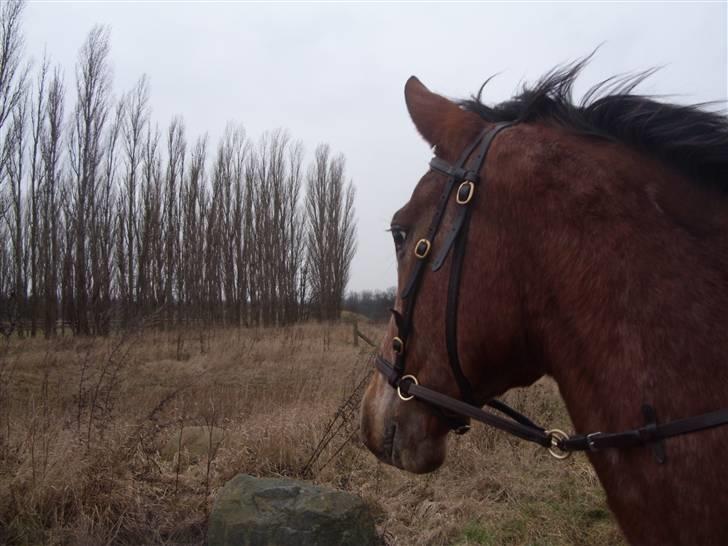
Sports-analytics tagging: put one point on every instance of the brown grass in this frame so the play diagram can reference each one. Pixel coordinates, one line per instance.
(84, 424)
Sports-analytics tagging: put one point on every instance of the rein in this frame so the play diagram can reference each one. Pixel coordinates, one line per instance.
(454, 411)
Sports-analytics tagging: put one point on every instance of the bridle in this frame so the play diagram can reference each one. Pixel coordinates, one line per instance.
(465, 175)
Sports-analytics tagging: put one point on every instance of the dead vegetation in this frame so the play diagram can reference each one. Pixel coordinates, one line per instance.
(125, 440)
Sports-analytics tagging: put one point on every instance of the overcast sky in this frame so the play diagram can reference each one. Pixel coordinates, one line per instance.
(335, 72)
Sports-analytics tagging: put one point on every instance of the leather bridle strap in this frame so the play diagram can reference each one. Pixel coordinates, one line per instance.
(422, 250)
(468, 179)
(459, 234)
(645, 435)
(471, 176)
(386, 369)
(596, 441)
(532, 433)
(440, 211)
(519, 425)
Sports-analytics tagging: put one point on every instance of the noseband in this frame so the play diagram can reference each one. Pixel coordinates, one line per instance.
(465, 174)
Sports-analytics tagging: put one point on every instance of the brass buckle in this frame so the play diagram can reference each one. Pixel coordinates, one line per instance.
(471, 191)
(397, 345)
(422, 254)
(556, 435)
(590, 441)
(399, 391)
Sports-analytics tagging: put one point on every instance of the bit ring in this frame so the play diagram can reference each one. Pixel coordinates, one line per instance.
(399, 390)
(556, 436)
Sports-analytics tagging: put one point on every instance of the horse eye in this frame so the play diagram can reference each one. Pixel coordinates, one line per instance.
(399, 235)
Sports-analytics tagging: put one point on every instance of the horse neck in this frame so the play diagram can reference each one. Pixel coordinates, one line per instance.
(630, 287)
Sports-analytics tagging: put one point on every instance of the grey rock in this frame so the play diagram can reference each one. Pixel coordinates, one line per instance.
(251, 511)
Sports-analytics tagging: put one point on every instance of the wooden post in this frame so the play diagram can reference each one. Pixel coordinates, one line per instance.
(355, 332)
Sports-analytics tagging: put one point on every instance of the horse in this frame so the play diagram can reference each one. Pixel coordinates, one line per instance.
(594, 251)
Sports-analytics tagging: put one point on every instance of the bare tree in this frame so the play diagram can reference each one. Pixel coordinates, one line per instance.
(14, 162)
(241, 150)
(225, 226)
(93, 80)
(176, 150)
(103, 227)
(136, 118)
(343, 231)
(331, 238)
(261, 232)
(67, 244)
(273, 227)
(193, 240)
(51, 142)
(292, 229)
(37, 116)
(149, 223)
(248, 252)
(13, 75)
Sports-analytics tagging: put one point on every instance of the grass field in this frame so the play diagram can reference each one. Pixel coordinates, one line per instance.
(126, 440)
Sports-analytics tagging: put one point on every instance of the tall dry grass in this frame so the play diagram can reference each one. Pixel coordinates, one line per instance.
(126, 440)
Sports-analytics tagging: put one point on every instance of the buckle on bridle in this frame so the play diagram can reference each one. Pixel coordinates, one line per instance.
(590, 441)
(465, 192)
(422, 248)
(399, 388)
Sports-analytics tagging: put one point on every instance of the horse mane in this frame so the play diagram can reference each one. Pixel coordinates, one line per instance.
(687, 137)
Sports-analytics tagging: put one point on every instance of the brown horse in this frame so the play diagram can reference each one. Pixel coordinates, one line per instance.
(597, 254)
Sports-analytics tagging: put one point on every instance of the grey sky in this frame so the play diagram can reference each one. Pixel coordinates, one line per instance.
(335, 72)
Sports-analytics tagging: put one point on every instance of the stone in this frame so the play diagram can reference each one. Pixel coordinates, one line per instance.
(251, 511)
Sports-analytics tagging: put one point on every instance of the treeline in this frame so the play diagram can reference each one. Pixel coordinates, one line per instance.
(373, 304)
(106, 218)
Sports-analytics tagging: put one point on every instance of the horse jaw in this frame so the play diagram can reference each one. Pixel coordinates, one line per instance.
(401, 434)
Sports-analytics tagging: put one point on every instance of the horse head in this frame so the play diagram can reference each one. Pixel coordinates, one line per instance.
(492, 349)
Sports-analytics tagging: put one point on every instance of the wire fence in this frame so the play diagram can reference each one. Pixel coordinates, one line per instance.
(343, 426)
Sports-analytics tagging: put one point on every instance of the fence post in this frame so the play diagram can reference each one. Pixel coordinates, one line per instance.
(355, 332)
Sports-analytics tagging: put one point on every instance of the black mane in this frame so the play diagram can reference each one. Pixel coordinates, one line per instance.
(690, 138)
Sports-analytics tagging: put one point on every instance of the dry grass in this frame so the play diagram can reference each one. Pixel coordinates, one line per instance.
(91, 451)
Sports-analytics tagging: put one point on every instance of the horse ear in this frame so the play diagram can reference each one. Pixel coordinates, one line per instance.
(439, 120)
